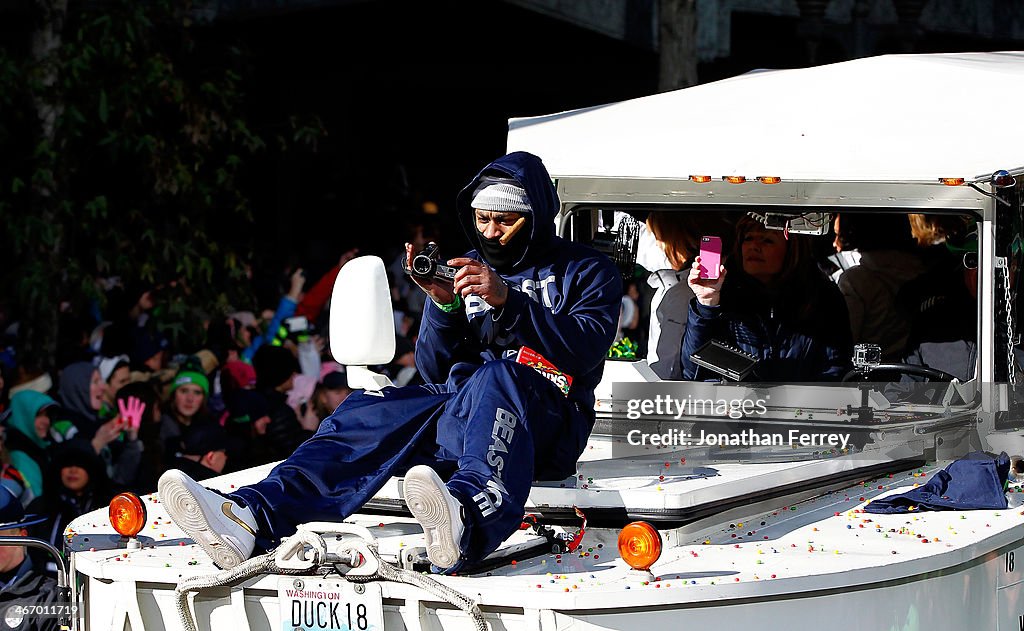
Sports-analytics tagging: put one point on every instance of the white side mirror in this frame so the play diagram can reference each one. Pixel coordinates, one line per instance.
(362, 327)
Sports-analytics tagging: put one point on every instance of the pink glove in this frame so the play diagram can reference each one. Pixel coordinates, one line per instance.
(131, 413)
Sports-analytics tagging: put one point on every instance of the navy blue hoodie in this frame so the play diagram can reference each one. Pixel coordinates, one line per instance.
(563, 301)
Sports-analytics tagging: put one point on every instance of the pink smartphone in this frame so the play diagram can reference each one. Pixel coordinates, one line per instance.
(710, 257)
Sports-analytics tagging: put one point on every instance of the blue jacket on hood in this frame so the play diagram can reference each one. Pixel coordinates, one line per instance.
(975, 482)
(563, 301)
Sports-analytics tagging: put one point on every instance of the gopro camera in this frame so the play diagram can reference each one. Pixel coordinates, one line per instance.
(426, 264)
(866, 356)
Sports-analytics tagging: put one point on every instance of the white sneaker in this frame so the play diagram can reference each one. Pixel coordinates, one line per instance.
(438, 512)
(225, 530)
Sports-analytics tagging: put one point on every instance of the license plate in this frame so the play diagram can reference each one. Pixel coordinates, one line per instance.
(316, 604)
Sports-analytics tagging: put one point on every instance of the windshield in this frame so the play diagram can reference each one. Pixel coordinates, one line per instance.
(787, 334)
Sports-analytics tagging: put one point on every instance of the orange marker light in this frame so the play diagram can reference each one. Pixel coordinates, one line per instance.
(127, 514)
(769, 179)
(734, 179)
(952, 181)
(640, 545)
(700, 179)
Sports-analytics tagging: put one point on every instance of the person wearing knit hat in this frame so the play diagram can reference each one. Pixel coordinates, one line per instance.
(501, 211)
(237, 375)
(115, 373)
(186, 405)
(191, 377)
(109, 366)
(488, 423)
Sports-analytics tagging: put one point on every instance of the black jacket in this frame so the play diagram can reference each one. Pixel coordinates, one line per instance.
(798, 335)
(31, 587)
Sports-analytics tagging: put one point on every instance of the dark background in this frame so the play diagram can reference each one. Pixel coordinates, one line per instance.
(415, 99)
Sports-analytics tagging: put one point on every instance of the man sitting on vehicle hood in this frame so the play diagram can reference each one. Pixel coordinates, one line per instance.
(487, 423)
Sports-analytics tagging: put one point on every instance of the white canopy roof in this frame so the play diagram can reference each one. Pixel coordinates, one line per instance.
(889, 118)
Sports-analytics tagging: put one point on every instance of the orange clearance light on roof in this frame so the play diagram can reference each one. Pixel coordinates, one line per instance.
(127, 514)
(639, 545)
(700, 179)
(952, 181)
(769, 179)
(734, 179)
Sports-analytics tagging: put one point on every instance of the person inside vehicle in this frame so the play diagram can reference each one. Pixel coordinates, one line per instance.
(870, 288)
(775, 304)
(677, 235)
(483, 421)
(943, 308)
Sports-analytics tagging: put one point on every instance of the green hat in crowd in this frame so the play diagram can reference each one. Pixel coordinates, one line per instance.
(188, 376)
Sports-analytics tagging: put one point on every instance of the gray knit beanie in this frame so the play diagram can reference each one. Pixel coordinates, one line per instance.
(502, 197)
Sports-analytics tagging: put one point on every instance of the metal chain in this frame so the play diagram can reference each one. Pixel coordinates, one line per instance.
(1011, 371)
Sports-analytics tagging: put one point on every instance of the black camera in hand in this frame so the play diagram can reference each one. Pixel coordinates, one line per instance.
(426, 264)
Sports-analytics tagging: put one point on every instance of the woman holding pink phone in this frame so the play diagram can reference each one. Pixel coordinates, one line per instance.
(774, 304)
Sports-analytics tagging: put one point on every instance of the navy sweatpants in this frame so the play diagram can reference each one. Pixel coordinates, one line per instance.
(493, 434)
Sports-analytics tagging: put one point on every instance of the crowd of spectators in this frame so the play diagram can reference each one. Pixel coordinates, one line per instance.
(124, 404)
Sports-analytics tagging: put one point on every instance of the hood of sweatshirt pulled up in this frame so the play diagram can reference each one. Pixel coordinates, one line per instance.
(25, 406)
(528, 172)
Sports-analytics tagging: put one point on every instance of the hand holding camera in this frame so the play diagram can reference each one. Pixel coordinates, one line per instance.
(427, 264)
(467, 276)
(438, 288)
(479, 279)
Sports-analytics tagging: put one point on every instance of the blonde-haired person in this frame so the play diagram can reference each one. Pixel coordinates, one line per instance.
(677, 235)
(930, 230)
